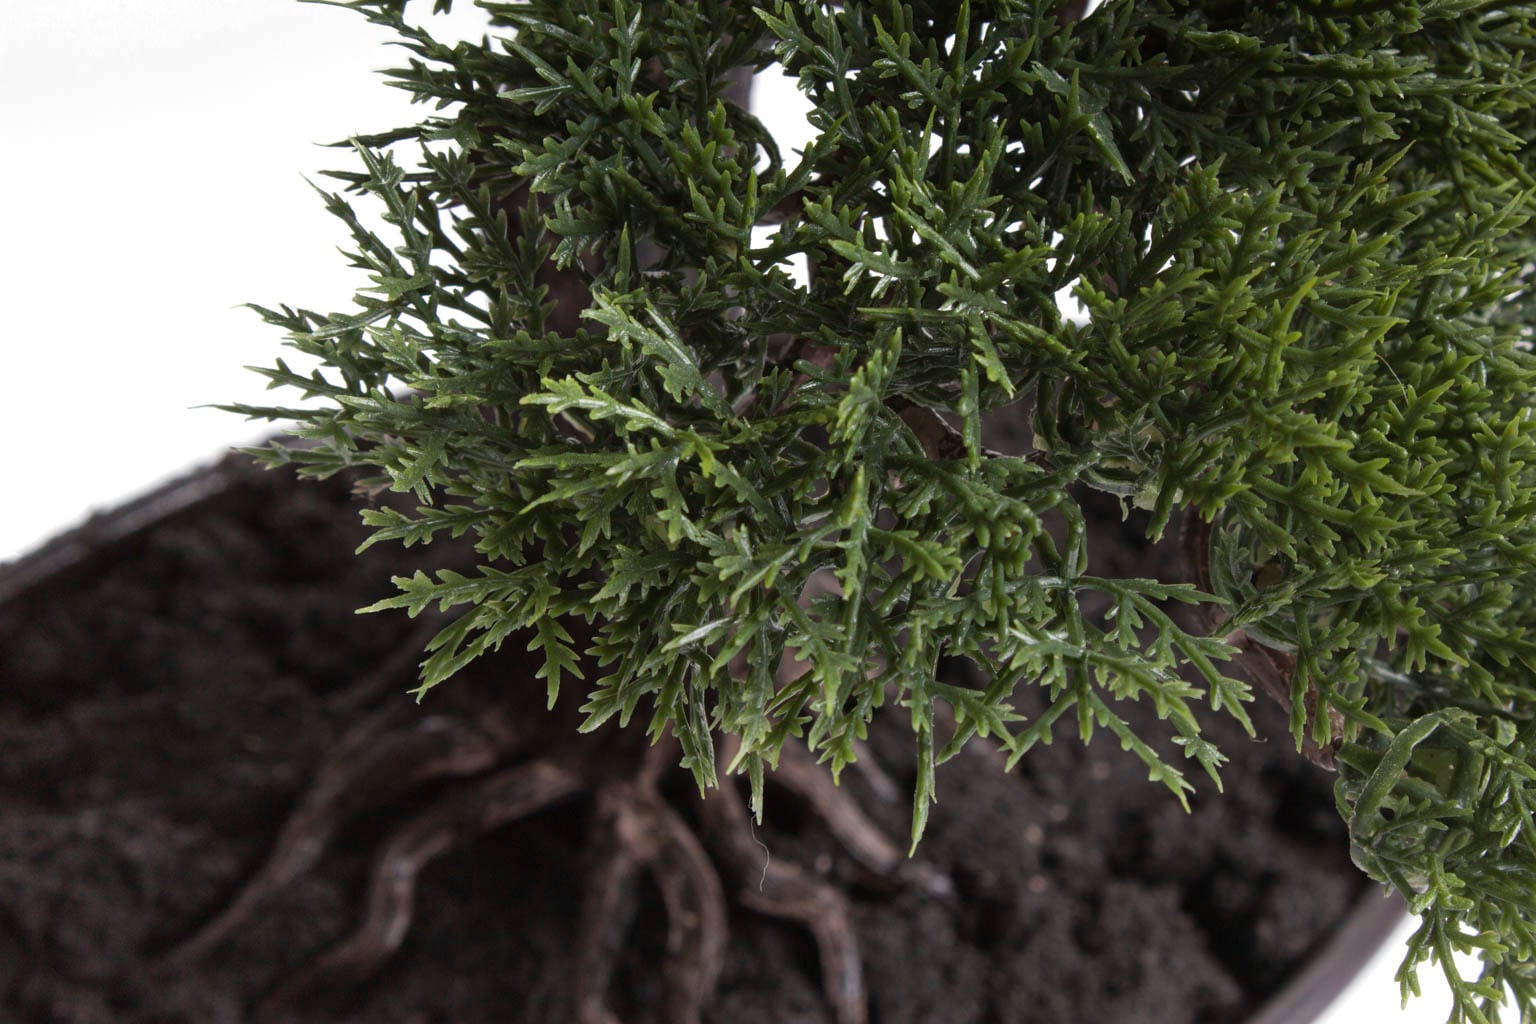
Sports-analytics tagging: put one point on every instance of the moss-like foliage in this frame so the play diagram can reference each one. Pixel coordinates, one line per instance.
(1302, 234)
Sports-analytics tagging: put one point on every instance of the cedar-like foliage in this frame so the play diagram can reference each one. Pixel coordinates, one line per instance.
(1302, 235)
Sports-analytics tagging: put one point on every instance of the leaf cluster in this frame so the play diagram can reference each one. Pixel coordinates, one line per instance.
(1302, 238)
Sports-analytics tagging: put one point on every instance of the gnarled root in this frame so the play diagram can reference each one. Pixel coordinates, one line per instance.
(785, 891)
(606, 913)
(863, 840)
(642, 831)
(374, 762)
(456, 819)
(634, 829)
(385, 676)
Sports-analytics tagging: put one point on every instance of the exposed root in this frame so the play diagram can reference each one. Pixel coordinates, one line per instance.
(798, 772)
(393, 751)
(783, 890)
(399, 664)
(880, 783)
(456, 819)
(695, 901)
(374, 762)
(863, 840)
(606, 912)
(642, 831)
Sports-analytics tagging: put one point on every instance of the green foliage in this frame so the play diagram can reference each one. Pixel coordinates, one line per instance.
(1302, 233)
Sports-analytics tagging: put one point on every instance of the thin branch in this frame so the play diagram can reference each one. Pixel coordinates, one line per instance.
(1270, 669)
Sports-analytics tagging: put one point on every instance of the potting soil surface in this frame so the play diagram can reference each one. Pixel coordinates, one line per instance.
(164, 706)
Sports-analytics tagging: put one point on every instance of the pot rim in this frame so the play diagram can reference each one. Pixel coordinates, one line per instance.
(68, 552)
(1338, 961)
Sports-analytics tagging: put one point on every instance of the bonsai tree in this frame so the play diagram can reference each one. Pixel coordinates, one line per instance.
(752, 507)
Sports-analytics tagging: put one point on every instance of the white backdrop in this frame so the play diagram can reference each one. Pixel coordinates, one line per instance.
(153, 170)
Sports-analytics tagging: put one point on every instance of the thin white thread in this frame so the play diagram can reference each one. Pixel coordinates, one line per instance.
(767, 853)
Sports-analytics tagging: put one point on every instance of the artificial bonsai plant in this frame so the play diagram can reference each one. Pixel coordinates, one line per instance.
(754, 508)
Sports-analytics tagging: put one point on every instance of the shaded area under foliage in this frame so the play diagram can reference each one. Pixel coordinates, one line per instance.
(167, 706)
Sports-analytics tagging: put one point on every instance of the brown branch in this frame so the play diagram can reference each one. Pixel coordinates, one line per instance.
(1071, 11)
(942, 442)
(879, 781)
(938, 439)
(1272, 670)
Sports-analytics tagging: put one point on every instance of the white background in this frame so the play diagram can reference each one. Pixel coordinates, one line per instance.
(153, 170)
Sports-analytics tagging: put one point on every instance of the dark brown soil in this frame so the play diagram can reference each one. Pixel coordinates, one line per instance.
(164, 706)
